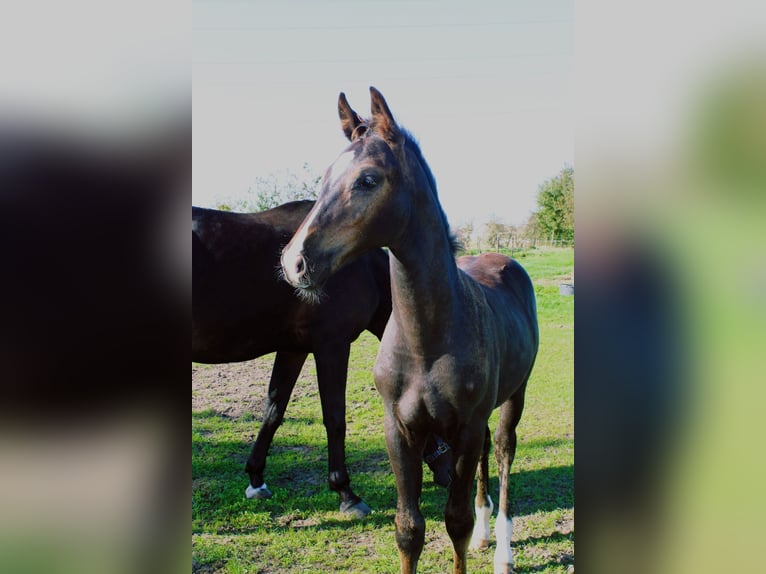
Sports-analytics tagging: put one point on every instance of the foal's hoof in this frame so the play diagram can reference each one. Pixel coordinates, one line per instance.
(479, 544)
(358, 510)
(260, 492)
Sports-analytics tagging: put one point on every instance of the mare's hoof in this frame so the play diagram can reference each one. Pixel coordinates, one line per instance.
(358, 510)
(503, 568)
(260, 492)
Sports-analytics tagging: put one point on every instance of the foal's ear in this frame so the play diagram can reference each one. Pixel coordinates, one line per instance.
(349, 119)
(383, 122)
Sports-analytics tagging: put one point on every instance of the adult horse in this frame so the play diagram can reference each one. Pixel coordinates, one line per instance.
(241, 310)
(462, 338)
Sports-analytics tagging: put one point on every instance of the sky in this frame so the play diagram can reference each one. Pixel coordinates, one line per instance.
(485, 87)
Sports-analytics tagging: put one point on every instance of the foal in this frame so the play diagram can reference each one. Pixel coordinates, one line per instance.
(462, 337)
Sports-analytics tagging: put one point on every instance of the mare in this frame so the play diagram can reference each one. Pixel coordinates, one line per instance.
(241, 310)
(461, 340)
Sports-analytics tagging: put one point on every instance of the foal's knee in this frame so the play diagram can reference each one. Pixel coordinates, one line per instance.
(410, 532)
(459, 523)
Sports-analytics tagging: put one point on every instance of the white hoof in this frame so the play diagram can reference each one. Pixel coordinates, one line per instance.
(358, 510)
(260, 492)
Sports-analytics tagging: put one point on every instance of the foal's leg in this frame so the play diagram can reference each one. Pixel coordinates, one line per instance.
(505, 450)
(483, 503)
(458, 515)
(407, 465)
(284, 373)
(332, 369)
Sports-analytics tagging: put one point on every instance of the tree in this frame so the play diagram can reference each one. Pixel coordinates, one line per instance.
(555, 200)
(531, 229)
(496, 233)
(464, 233)
(275, 189)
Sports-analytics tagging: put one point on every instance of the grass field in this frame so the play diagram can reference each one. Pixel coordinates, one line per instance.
(300, 529)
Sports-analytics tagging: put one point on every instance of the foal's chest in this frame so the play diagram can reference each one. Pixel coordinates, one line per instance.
(434, 384)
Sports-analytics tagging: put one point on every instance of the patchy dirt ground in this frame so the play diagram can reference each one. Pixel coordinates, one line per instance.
(232, 389)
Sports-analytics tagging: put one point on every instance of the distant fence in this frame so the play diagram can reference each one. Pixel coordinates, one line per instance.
(516, 244)
(538, 243)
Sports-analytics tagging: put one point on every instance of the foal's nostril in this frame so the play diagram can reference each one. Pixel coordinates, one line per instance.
(300, 266)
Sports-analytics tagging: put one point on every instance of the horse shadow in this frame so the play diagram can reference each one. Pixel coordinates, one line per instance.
(297, 476)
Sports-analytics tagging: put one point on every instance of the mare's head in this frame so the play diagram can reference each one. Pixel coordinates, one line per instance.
(366, 199)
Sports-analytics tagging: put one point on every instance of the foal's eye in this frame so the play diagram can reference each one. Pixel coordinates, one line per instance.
(367, 182)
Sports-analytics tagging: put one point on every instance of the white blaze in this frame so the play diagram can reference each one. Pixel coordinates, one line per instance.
(338, 168)
(296, 247)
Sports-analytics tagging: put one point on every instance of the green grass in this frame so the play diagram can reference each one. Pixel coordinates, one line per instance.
(299, 528)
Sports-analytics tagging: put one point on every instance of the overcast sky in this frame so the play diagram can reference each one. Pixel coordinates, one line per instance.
(486, 87)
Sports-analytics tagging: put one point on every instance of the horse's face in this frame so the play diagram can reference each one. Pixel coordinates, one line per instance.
(361, 200)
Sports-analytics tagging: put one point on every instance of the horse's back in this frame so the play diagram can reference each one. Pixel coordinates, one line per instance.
(235, 291)
(216, 225)
(502, 274)
(510, 295)
(242, 310)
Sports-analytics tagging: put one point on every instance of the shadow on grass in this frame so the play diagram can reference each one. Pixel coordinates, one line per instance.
(297, 474)
(542, 490)
(564, 559)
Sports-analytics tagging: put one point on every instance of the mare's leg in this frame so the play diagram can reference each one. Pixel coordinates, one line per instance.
(332, 369)
(505, 450)
(458, 515)
(483, 503)
(406, 462)
(284, 373)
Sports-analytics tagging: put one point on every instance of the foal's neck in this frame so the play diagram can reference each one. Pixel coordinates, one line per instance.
(424, 281)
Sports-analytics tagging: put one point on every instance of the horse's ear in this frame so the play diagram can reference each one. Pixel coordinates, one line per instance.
(349, 119)
(383, 122)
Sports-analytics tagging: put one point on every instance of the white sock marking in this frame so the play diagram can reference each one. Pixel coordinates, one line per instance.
(503, 532)
(481, 531)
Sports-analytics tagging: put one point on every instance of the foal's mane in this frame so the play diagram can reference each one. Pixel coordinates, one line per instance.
(412, 145)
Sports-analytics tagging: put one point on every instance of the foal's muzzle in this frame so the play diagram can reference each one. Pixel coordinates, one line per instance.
(295, 272)
(294, 269)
